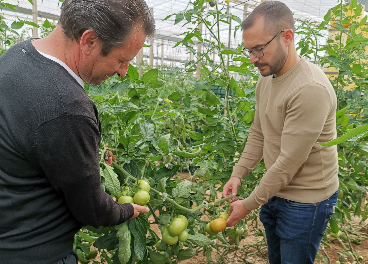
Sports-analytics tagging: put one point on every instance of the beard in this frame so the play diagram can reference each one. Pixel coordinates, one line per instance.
(277, 63)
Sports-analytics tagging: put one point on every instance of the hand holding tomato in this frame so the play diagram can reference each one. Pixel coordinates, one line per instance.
(237, 211)
(231, 188)
(139, 209)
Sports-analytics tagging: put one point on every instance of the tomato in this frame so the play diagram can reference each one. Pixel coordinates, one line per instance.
(183, 236)
(340, 195)
(144, 185)
(209, 231)
(164, 228)
(184, 218)
(160, 245)
(141, 197)
(177, 226)
(224, 215)
(336, 235)
(240, 231)
(170, 240)
(218, 225)
(126, 199)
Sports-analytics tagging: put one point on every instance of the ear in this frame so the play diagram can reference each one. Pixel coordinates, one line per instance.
(89, 42)
(288, 36)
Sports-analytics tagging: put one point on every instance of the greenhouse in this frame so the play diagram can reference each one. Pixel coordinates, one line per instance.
(183, 131)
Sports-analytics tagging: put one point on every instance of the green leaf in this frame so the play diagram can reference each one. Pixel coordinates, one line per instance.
(87, 237)
(182, 189)
(363, 147)
(112, 183)
(138, 227)
(47, 24)
(31, 23)
(164, 143)
(133, 169)
(162, 185)
(150, 76)
(179, 17)
(228, 52)
(206, 111)
(164, 218)
(187, 101)
(120, 87)
(195, 135)
(17, 25)
(132, 73)
(352, 134)
(239, 91)
(186, 254)
(199, 240)
(108, 241)
(12, 7)
(334, 227)
(340, 112)
(352, 185)
(175, 96)
(211, 98)
(157, 258)
(202, 85)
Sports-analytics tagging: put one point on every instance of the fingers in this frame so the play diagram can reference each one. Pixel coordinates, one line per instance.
(138, 209)
(237, 211)
(110, 158)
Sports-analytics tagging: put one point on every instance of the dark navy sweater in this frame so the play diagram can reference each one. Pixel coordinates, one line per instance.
(50, 182)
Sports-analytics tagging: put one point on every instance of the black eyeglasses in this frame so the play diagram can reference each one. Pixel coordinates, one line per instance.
(258, 52)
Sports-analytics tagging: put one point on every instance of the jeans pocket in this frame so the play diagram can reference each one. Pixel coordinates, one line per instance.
(329, 212)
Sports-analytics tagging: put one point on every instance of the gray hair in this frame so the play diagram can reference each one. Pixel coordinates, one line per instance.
(111, 20)
(277, 16)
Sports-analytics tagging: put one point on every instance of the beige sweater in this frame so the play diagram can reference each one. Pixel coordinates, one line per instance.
(293, 113)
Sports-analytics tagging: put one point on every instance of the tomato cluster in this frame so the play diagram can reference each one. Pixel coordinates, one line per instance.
(141, 197)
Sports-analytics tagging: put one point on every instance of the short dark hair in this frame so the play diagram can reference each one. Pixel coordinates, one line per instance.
(111, 20)
(277, 16)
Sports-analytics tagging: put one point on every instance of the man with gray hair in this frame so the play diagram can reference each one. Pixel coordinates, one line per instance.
(50, 132)
(295, 109)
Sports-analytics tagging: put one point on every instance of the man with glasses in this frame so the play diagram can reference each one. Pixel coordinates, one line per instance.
(295, 109)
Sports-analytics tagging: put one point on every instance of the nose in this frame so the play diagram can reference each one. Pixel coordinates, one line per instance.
(123, 68)
(253, 58)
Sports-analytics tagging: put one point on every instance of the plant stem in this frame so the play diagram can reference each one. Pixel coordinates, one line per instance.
(191, 211)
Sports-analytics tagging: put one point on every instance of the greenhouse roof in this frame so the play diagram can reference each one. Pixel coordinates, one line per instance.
(167, 33)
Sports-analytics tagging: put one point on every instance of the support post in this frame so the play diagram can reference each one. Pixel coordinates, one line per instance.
(35, 19)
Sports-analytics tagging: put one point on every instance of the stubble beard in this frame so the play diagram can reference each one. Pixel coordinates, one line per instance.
(276, 65)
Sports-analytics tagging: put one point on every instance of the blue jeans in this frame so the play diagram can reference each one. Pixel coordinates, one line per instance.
(294, 230)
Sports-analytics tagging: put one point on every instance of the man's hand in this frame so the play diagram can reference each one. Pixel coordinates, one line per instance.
(231, 188)
(139, 209)
(109, 158)
(237, 211)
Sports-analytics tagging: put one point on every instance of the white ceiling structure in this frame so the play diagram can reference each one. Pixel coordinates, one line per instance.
(167, 32)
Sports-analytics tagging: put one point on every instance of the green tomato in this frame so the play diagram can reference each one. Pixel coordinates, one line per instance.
(184, 218)
(170, 240)
(209, 231)
(144, 185)
(125, 199)
(224, 215)
(340, 195)
(336, 235)
(183, 236)
(176, 227)
(240, 231)
(160, 245)
(141, 197)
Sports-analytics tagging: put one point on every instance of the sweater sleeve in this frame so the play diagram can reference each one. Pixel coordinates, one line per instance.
(306, 115)
(67, 149)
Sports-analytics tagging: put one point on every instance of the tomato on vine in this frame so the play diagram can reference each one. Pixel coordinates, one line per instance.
(218, 225)
(183, 236)
(141, 197)
(144, 185)
(224, 215)
(168, 239)
(209, 231)
(177, 226)
(125, 199)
